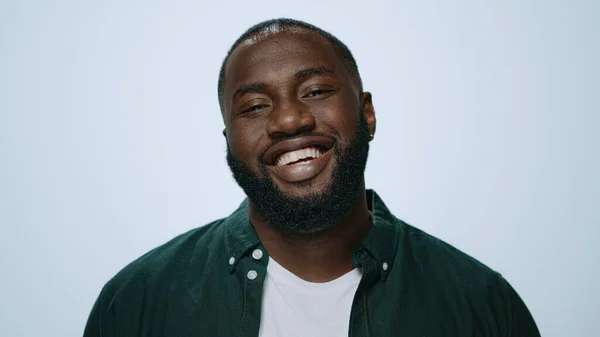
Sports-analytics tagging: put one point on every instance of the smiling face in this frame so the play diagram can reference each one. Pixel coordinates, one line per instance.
(297, 129)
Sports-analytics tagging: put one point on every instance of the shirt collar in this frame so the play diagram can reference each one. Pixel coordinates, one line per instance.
(382, 240)
(240, 236)
(380, 243)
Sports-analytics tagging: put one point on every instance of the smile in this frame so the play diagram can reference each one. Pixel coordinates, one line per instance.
(300, 156)
(299, 159)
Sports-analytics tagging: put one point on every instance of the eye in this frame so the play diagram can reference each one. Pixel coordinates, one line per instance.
(253, 108)
(318, 92)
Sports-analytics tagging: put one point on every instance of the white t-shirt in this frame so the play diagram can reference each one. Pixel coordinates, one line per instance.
(294, 307)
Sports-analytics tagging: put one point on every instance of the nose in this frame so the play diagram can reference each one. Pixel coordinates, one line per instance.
(290, 117)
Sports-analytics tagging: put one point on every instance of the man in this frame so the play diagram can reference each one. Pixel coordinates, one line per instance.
(311, 252)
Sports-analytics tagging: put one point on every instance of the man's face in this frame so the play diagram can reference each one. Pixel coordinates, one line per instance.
(297, 129)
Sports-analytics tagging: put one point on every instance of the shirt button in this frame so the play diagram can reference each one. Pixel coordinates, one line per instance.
(385, 266)
(252, 274)
(257, 254)
(231, 261)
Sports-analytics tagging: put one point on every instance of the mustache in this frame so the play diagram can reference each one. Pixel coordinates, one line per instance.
(277, 140)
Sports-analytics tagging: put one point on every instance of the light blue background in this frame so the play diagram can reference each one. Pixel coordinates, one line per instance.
(110, 139)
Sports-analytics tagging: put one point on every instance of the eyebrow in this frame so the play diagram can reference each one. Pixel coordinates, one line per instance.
(303, 74)
(246, 89)
(309, 72)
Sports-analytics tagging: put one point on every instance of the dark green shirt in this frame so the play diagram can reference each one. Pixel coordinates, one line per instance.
(413, 284)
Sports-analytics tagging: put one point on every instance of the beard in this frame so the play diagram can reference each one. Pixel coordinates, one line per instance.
(316, 211)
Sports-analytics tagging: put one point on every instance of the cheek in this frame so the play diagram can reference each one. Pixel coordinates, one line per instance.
(244, 139)
(338, 116)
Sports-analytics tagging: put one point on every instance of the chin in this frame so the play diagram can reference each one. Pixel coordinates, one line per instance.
(303, 190)
(314, 187)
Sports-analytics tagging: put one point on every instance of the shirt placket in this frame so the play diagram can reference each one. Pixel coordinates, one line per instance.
(359, 320)
(253, 269)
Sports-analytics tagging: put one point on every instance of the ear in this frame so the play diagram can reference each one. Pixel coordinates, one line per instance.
(366, 101)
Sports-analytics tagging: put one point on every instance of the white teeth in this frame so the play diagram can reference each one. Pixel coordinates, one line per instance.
(303, 153)
(292, 156)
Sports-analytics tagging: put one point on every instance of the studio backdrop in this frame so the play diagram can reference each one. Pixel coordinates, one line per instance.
(111, 139)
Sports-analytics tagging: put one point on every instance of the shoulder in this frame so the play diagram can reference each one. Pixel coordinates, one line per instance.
(171, 258)
(161, 272)
(431, 249)
(448, 271)
(443, 277)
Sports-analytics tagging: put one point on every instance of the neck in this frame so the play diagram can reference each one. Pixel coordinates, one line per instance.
(322, 256)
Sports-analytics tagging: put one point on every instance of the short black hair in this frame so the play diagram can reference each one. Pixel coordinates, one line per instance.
(265, 26)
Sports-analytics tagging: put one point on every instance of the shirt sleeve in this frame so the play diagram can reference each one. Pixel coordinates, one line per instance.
(96, 325)
(521, 323)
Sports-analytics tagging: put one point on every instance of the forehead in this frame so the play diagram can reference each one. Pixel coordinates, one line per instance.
(274, 56)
